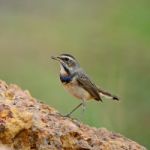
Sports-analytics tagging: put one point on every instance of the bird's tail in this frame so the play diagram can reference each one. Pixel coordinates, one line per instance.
(108, 95)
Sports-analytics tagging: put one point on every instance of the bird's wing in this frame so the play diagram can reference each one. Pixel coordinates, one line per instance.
(86, 83)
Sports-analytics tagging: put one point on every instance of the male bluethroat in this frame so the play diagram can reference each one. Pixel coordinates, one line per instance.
(77, 82)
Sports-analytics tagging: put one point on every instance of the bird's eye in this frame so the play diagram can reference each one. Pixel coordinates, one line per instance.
(66, 59)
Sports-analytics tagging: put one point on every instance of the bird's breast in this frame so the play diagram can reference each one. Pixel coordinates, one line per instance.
(65, 79)
(76, 90)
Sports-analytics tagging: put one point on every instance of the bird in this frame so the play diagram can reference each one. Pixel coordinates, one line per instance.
(78, 83)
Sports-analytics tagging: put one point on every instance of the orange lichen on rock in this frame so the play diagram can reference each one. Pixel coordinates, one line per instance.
(26, 124)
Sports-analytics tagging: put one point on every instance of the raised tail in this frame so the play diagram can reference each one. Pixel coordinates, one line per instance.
(108, 95)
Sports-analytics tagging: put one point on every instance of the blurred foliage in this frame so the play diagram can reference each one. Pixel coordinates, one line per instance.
(111, 39)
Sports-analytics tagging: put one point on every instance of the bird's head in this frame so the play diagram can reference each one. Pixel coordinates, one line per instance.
(68, 63)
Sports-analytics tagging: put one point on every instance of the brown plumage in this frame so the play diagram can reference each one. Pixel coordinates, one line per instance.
(77, 82)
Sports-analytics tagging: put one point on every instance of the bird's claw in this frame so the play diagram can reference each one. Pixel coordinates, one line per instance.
(68, 115)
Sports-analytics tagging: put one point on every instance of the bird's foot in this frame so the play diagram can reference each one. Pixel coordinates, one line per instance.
(67, 115)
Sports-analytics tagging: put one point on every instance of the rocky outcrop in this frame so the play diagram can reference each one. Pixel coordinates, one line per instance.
(27, 124)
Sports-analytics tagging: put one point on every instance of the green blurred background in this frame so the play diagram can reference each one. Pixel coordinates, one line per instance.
(111, 39)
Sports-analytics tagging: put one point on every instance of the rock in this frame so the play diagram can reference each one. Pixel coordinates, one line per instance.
(28, 124)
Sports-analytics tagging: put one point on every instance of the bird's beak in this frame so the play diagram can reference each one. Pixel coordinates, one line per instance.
(55, 58)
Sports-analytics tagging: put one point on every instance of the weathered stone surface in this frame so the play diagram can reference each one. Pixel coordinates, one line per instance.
(28, 124)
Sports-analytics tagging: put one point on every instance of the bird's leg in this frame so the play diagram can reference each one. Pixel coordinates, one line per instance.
(68, 115)
(83, 105)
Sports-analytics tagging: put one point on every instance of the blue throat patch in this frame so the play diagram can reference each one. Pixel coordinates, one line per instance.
(65, 79)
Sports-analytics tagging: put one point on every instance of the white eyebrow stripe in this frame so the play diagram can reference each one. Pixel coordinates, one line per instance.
(68, 57)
